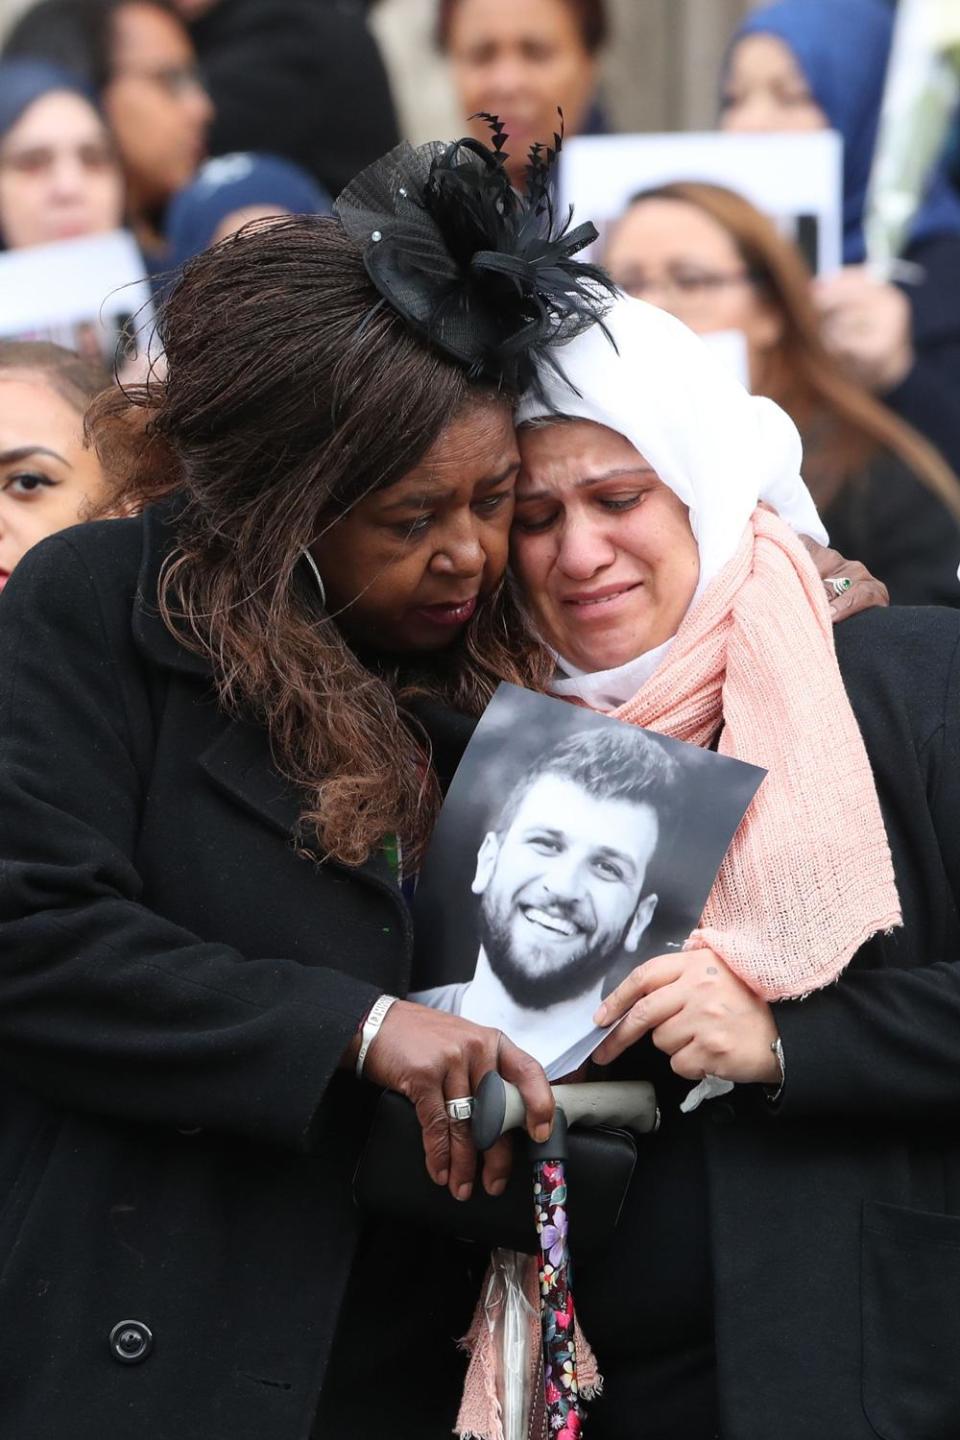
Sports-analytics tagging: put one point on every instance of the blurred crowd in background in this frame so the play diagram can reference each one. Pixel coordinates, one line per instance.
(178, 121)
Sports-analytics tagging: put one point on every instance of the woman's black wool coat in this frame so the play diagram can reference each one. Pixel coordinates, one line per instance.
(166, 1155)
(828, 1223)
(176, 989)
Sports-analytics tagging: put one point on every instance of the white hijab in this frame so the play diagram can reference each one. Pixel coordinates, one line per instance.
(720, 449)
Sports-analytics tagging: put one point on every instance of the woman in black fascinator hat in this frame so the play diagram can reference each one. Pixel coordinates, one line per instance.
(216, 780)
(478, 269)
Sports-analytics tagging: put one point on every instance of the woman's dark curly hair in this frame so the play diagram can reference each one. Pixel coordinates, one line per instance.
(293, 390)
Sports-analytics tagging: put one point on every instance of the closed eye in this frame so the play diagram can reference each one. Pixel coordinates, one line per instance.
(621, 502)
(493, 503)
(532, 523)
(409, 529)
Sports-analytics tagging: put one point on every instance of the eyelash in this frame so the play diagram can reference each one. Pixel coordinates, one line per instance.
(609, 872)
(627, 504)
(411, 529)
(534, 527)
(42, 482)
(616, 507)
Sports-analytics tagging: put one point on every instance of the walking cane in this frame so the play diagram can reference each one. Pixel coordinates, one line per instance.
(498, 1107)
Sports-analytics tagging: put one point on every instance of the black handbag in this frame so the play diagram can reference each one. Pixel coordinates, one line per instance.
(391, 1181)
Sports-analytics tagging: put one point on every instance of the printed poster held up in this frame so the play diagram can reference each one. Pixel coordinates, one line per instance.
(571, 847)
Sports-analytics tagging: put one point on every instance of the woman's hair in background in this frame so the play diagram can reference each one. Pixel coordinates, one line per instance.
(590, 15)
(75, 379)
(77, 34)
(292, 391)
(802, 376)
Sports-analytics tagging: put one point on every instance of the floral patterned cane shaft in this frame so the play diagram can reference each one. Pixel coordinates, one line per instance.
(562, 1398)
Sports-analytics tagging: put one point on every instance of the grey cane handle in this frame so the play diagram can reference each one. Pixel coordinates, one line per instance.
(624, 1104)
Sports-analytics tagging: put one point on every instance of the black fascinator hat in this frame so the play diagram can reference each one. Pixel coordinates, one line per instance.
(478, 269)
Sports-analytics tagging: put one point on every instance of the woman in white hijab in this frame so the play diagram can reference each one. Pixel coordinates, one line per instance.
(790, 1252)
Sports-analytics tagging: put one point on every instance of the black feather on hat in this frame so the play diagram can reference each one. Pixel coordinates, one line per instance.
(475, 267)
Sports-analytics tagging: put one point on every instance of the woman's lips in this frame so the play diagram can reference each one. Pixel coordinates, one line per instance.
(601, 600)
(4, 577)
(559, 925)
(458, 612)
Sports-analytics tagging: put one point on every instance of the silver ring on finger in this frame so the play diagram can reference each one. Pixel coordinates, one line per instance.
(460, 1110)
(838, 585)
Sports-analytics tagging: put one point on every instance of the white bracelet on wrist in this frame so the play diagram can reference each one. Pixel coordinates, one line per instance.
(378, 1013)
(773, 1092)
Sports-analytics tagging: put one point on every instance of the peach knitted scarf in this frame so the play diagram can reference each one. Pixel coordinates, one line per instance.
(808, 878)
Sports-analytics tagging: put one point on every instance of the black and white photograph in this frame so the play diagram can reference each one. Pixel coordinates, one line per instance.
(571, 848)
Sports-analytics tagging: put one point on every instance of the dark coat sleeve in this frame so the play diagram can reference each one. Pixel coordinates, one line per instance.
(884, 1041)
(901, 531)
(105, 1005)
(927, 396)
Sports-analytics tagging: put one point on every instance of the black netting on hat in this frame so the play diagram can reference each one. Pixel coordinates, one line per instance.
(476, 268)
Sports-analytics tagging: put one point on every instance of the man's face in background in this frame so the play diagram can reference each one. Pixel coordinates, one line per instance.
(562, 889)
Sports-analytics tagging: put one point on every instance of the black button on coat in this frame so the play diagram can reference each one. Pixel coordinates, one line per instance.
(176, 989)
(131, 1341)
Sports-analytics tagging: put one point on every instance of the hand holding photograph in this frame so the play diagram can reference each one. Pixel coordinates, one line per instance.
(571, 847)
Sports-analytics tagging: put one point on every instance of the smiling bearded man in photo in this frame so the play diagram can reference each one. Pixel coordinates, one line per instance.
(561, 880)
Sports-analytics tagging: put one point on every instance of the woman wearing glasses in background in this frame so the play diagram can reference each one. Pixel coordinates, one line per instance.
(801, 65)
(713, 260)
(137, 57)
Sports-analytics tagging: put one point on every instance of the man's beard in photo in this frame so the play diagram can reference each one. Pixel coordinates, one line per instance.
(576, 976)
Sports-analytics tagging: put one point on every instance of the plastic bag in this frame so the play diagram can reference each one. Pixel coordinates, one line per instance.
(513, 1322)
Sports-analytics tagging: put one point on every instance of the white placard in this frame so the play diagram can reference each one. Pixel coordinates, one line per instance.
(79, 293)
(796, 179)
